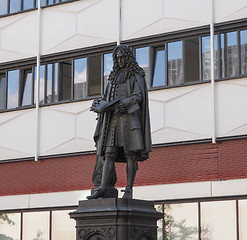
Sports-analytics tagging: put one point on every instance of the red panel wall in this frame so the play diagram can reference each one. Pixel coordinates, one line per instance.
(173, 164)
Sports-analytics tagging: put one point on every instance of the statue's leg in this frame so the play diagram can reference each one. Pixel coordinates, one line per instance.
(131, 168)
(108, 168)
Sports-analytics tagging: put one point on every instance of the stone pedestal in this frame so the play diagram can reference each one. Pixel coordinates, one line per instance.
(116, 219)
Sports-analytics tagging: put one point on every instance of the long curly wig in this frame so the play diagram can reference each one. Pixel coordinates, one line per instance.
(132, 66)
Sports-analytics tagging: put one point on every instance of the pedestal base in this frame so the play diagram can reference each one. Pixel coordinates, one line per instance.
(116, 219)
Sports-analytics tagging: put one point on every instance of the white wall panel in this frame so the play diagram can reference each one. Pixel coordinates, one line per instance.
(142, 17)
(18, 35)
(79, 24)
(17, 134)
(227, 10)
(231, 105)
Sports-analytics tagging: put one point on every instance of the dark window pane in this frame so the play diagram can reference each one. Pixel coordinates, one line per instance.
(159, 78)
(2, 91)
(206, 58)
(49, 83)
(94, 75)
(15, 6)
(65, 81)
(191, 60)
(232, 55)
(175, 63)
(142, 58)
(13, 89)
(10, 226)
(3, 7)
(108, 65)
(243, 50)
(27, 88)
(28, 4)
(80, 78)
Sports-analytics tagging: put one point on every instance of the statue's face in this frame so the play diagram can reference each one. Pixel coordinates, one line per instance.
(121, 59)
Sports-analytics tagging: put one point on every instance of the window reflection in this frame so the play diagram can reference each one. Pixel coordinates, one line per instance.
(36, 225)
(223, 55)
(13, 89)
(159, 76)
(232, 55)
(15, 6)
(218, 220)
(62, 226)
(80, 78)
(27, 88)
(10, 226)
(49, 81)
(108, 65)
(142, 58)
(181, 221)
(206, 58)
(65, 80)
(242, 207)
(175, 63)
(3, 7)
(159, 208)
(28, 4)
(243, 50)
(2, 91)
(94, 75)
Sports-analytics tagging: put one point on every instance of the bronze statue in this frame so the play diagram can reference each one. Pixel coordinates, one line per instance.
(123, 130)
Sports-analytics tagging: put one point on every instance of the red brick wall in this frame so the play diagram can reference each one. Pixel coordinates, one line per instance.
(173, 164)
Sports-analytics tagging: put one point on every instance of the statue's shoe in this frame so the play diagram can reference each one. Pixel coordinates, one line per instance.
(128, 193)
(97, 194)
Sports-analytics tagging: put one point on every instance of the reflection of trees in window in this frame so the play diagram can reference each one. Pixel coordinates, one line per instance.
(94, 75)
(65, 80)
(243, 50)
(4, 219)
(26, 88)
(39, 236)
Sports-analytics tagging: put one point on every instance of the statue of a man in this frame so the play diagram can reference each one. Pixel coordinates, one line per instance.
(123, 129)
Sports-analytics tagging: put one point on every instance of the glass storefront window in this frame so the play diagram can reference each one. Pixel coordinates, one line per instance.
(243, 50)
(62, 226)
(159, 76)
(142, 58)
(13, 89)
(10, 226)
(36, 225)
(218, 220)
(175, 63)
(242, 208)
(181, 221)
(80, 78)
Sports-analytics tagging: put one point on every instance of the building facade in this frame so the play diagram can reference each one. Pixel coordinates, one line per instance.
(55, 57)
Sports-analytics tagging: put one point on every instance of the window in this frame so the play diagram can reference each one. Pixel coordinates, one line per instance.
(26, 88)
(2, 91)
(108, 65)
(10, 226)
(175, 63)
(243, 50)
(80, 78)
(28, 4)
(94, 75)
(12, 89)
(159, 72)
(15, 6)
(142, 58)
(3, 7)
(65, 80)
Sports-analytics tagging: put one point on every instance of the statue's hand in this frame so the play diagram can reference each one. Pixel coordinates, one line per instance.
(121, 107)
(95, 102)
